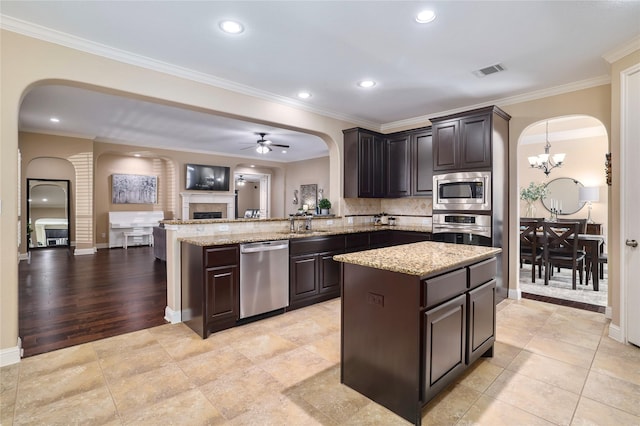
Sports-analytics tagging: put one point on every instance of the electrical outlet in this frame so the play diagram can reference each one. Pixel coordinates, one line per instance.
(375, 299)
(350, 220)
(223, 227)
(425, 221)
(329, 222)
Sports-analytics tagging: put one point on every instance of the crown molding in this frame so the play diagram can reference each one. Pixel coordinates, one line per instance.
(623, 50)
(525, 97)
(63, 39)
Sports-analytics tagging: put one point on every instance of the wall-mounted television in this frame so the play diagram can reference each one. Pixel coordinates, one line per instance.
(207, 178)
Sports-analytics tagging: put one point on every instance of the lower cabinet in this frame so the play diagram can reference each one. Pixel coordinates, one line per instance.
(210, 292)
(481, 316)
(313, 274)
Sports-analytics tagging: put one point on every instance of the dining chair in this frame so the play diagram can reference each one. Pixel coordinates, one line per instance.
(560, 242)
(583, 230)
(530, 247)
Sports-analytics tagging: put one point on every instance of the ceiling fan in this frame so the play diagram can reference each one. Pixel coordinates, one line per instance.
(264, 145)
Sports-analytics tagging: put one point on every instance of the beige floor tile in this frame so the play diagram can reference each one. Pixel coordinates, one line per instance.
(7, 404)
(538, 398)
(117, 367)
(262, 347)
(522, 316)
(209, 366)
(183, 347)
(188, 408)
(304, 331)
(277, 410)
(489, 411)
(613, 391)
(236, 393)
(593, 413)
(94, 407)
(503, 304)
(545, 308)
(57, 360)
(480, 375)
(171, 331)
(123, 343)
(568, 334)
(42, 390)
(517, 337)
(618, 360)
(449, 405)
(557, 373)
(325, 393)
(328, 347)
(562, 351)
(374, 414)
(9, 376)
(295, 366)
(570, 320)
(503, 354)
(133, 393)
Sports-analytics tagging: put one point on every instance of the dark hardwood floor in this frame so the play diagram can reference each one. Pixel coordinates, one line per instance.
(66, 300)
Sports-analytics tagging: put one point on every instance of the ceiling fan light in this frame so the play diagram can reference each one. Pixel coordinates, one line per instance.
(263, 149)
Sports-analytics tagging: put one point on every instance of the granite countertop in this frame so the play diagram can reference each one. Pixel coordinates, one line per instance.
(239, 238)
(420, 259)
(236, 220)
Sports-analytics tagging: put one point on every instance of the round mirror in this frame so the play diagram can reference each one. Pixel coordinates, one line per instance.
(563, 195)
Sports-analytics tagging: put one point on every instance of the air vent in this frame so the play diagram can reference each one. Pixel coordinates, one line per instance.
(489, 70)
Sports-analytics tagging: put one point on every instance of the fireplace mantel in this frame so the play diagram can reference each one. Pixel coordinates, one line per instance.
(207, 197)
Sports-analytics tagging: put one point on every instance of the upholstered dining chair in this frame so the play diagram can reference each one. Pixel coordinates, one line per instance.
(560, 240)
(530, 247)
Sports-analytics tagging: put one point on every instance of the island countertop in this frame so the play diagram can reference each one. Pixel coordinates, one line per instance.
(421, 259)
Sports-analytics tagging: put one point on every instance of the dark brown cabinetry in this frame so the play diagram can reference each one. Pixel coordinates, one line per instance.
(462, 144)
(210, 287)
(313, 274)
(422, 162)
(387, 166)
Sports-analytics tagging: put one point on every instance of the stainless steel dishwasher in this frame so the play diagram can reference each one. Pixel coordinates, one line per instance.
(264, 277)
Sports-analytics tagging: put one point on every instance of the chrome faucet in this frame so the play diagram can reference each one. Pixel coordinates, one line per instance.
(292, 223)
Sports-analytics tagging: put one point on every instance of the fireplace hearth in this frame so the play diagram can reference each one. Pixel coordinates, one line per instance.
(207, 215)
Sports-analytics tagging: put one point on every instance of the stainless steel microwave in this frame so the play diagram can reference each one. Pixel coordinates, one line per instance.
(462, 191)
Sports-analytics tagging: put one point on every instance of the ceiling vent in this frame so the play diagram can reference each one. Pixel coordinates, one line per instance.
(489, 70)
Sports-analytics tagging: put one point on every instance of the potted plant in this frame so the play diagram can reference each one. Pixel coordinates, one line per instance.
(531, 194)
(324, 205)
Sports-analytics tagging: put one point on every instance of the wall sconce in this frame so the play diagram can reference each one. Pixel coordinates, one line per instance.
(295, 196)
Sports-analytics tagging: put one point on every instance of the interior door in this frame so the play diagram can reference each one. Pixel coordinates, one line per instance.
(631, 200)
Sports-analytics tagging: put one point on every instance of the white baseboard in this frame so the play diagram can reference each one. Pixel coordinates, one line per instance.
(515, 293)
(101, 246)
(80, 252)
(23, 256)
(174, 317)
(12, 355)
(608, 312)
(615, 332)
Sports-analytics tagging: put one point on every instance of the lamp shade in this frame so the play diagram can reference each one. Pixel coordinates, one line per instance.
(589, 193)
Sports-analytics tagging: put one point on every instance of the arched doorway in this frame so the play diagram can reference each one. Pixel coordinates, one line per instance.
(584, 141)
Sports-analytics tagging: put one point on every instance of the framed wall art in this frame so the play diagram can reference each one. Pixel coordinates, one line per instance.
(134, 189)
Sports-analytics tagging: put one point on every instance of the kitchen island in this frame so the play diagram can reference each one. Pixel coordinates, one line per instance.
(414, 317)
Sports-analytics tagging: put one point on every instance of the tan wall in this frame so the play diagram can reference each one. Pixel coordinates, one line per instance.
(307, 172)
(27, 61)
(248, 197)
(615, 207)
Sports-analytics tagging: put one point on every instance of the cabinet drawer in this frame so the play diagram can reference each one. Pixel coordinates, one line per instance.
(221, 256)
(482, 272)
(316, 245)
(444, 287)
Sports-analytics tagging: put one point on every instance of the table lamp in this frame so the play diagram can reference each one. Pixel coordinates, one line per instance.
(589, 194)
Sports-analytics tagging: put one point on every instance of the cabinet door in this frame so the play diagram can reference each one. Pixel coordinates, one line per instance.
(445, 141)
(370, 170)
(444, 344)
(303, 275)
(422, 166)
(329, 274)
(482, 320)
(221, 295)
(397, 167)
(475, 142)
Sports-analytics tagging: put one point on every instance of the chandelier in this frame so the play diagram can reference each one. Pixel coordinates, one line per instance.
(546, 162)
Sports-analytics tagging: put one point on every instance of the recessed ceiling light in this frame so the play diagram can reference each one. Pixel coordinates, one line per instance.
(231, 27)
(45, 200)
(253, 165)
(136, 155)
(304, 95)
(425, 16)
(284, 151)
(54, 120)
(366, 83)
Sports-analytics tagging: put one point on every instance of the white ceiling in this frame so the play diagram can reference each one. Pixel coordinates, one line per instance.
(324, 47)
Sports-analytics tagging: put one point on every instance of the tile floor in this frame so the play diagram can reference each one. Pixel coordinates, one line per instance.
(552, 365)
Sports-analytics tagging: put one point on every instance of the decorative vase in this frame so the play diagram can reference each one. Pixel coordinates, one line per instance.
(531, 209)
(324, 211)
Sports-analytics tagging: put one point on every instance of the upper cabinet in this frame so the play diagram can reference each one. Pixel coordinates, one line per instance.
(387, 166)
(465, 141)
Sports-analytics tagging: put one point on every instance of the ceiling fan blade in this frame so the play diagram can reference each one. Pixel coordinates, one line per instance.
(281, 146)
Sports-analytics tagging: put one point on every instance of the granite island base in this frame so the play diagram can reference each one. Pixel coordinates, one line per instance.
(414, 317)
